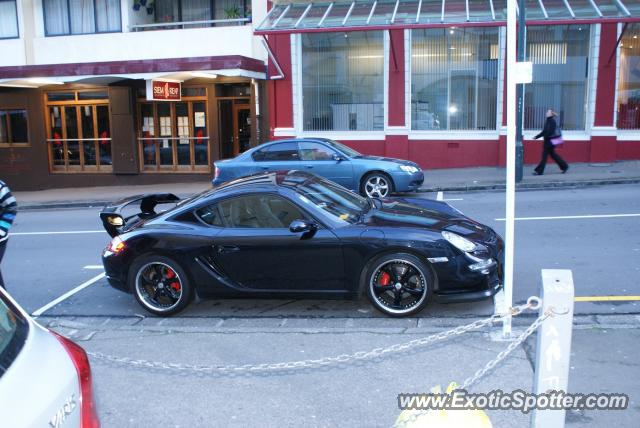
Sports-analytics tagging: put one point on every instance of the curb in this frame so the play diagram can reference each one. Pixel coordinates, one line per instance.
(552, 185)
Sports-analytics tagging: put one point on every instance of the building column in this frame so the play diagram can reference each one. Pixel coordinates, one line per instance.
(603, 134)
(280, 91)
(397, 140)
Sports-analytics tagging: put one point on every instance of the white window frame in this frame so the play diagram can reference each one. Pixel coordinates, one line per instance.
(493, 134)
(298, 114)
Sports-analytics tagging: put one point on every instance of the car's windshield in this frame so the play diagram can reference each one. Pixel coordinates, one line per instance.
(338, 202)
(344, 149)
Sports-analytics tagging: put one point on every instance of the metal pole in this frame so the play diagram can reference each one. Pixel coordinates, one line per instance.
(520, 93)
(553, 350)
(511, 164)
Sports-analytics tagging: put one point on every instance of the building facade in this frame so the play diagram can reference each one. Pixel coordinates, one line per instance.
(425, 79)
(103, 92)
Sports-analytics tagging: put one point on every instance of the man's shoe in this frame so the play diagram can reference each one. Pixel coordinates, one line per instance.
(536, 173)
(566, 169)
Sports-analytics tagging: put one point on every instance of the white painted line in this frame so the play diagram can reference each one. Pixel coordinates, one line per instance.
(68, 294)
(64, 232)
(93, 267)
(573, 217)
(440, 196)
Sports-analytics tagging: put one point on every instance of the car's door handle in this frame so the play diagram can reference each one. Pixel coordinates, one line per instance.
(266, 168)
(309, 166)
(228, 248)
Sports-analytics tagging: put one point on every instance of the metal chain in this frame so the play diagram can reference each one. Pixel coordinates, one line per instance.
(234, 369)
(489, 366)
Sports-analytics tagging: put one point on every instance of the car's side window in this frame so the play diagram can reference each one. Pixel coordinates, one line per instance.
(277, 152)
(210, 215)
(259, 211)
(316, 152)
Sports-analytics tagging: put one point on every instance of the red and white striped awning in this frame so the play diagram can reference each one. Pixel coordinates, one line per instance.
(299, 16)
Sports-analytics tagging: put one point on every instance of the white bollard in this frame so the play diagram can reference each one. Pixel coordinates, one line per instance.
(554, 343)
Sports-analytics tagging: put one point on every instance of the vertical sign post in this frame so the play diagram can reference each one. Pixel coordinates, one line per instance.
(511, 164)
(553, 349)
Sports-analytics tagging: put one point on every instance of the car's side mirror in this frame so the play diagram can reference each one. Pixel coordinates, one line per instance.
(302, 226)
(337, 157)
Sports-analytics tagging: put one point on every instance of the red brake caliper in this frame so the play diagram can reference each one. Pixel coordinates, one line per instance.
(385, 279)
(171, 274)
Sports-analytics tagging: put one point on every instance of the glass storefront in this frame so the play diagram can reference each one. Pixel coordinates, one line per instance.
(343, 81)
(78, 132)
(629, 79)
(454, 78)
(174, 136)
(560, 56)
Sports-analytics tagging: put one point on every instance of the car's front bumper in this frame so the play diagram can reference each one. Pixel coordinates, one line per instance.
(407, 182)
(469, 296)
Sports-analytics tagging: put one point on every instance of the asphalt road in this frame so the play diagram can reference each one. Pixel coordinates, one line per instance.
(603, 253)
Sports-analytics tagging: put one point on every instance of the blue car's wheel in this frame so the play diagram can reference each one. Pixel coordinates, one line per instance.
(376, 185)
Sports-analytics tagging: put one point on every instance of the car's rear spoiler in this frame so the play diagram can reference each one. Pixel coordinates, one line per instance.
(113, 220)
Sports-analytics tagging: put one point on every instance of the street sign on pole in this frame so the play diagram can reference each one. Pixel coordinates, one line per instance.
(511, 164)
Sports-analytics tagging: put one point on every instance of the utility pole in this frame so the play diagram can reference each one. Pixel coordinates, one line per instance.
(522, 34)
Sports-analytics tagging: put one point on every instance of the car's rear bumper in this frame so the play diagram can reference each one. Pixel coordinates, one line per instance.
(407, 182)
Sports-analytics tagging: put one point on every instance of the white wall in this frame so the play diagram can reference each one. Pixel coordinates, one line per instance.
(13, 52)
(157, 44)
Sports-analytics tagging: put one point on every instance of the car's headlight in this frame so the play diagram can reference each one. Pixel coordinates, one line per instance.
(409, 168)
(463, 244)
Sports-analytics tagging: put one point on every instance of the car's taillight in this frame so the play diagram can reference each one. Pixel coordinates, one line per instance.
(216, 171)
(116, 245)
(88, 414)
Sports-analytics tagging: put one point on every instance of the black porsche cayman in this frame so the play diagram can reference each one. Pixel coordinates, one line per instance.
(296, 234)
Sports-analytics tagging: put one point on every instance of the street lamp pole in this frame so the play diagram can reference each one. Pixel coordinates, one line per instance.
(520, 92)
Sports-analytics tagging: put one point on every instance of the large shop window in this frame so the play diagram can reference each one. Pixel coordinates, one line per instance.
(629, 79)
(78, 131)
(8, 19)
(63, 17)
(454, 78)
(13, 128)
(173, 136)
(343, 81)
(560, 56)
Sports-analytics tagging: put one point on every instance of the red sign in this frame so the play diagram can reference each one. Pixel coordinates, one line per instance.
(160, 90)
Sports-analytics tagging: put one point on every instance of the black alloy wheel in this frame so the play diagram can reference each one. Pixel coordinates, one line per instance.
(160, 285)
(399, 284)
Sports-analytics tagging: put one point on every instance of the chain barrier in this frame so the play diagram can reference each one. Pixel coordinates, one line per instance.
(499, 358)
(233, 369)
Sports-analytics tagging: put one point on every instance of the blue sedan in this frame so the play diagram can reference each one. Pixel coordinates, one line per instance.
(373, 176)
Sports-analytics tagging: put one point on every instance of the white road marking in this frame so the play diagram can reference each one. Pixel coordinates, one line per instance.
(440, 196)
(63, 232)
(68, 294)
(93, 267)
(573, 217)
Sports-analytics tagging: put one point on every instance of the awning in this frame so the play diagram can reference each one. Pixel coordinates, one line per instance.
(299, 16)
(103, 73)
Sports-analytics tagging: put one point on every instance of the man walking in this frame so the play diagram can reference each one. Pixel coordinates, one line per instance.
(8, 208)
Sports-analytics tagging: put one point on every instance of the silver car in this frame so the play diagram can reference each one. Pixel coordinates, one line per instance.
(45, 379)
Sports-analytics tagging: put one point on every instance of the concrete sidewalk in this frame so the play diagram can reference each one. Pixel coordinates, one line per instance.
(456, 179)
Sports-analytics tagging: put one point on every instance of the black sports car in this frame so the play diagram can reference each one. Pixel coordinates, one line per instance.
(296, 234)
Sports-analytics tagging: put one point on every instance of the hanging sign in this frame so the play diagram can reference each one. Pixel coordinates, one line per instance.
(162, 90)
